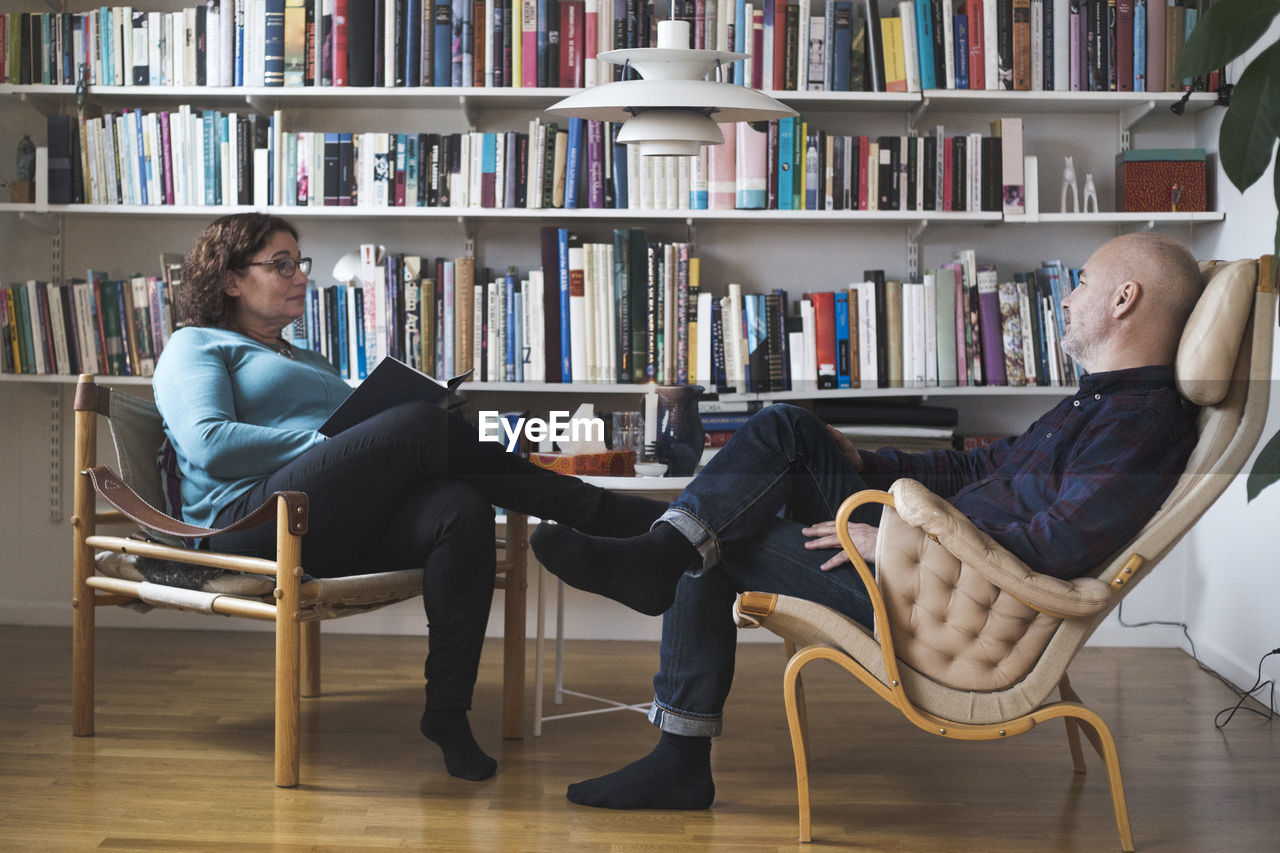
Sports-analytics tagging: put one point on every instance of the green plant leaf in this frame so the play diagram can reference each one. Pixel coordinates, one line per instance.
(1266, 468)
(1227, 30)
(1249, 130)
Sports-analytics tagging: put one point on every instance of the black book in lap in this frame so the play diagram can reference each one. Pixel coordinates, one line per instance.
(392, 382)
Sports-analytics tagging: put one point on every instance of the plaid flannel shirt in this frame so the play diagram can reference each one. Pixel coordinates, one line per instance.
(1078, 484)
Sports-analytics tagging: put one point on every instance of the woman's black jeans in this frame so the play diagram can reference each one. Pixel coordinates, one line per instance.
(413, 487)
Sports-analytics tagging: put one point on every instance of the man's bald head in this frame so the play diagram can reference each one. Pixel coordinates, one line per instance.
(1166, 270)
(1136, 294)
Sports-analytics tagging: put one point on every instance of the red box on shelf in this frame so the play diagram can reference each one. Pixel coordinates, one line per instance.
(1161, 180)
(610, 463)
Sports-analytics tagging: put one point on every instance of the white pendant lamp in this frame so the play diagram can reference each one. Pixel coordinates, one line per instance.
(673, 109)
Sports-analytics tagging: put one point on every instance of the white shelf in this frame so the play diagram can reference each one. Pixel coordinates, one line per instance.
(460, 214)
(623, 389)
(1116, 218)
(1060, 102)
(71, 379)
(477, 213)
(446, 97)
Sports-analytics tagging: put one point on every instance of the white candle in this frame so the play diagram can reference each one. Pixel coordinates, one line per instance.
(651, 416)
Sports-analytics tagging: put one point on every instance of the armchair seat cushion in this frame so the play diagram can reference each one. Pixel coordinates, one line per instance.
(808, 623)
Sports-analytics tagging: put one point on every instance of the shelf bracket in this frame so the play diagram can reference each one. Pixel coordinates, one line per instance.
(55, 248)
(1132, 116)
(43, 104)
(46, 222)
(914, 233)
(468, 227)
(691, 234)
(469, 110)
(916, 113)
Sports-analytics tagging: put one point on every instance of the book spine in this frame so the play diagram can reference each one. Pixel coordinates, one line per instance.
(989, 322)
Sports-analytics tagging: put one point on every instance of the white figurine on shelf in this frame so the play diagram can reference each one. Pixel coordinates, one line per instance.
(1069, 183)
(1090, 195)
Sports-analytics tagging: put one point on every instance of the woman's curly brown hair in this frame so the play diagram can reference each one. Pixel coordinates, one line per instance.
(228, 243)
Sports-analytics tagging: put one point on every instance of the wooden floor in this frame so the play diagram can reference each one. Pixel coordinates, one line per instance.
(182, 759)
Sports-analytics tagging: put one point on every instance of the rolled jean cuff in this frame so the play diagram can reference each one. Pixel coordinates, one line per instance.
(698, 534)
(683, 723)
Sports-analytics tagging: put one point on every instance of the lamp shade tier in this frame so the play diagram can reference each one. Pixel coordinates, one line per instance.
(660, 63)
(619, 101)
(670, 132)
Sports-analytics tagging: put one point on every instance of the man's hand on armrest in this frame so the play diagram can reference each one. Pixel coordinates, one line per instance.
(823, 535)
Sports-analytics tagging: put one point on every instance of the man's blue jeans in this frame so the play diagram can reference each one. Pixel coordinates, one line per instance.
(744, 512)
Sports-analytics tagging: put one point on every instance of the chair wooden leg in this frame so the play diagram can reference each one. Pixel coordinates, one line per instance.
(310, 652)
(1073, 728)
(82, 595)
(791, 695)
(802, 708)
(82, 659)
(288, 631)
(1100, 736)
(513, 629)
(1105, 745)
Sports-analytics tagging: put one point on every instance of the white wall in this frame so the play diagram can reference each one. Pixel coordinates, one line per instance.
(1232, 588)
(1219, 580)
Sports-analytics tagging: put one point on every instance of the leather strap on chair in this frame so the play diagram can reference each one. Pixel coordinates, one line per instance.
(91, 397)
(117, 493)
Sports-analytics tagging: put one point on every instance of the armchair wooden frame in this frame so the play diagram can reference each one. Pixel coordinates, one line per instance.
(293, 606)
(969, 642)
(1069, 708)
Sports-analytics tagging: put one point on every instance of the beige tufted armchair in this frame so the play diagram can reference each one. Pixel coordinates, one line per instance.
(970, 643)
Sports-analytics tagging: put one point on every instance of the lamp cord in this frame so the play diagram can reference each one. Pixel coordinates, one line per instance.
(1259, 684)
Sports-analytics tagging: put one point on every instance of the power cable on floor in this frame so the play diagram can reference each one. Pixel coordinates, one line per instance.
(1218, 721)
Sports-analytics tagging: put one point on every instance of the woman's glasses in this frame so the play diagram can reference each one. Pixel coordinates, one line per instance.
(285, 267)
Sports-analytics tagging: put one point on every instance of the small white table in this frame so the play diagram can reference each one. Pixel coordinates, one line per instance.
(661, 488)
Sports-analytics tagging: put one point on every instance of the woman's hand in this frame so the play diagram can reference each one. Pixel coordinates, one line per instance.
(846, 447)
(823, 535)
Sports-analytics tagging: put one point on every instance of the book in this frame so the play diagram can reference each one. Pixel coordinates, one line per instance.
(992, 331)
(1009, 131)
(392, 382)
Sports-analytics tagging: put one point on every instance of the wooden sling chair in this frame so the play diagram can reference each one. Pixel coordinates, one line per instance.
(115, 570)
(969, 642)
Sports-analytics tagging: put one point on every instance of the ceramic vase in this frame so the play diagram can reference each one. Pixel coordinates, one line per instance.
(680, 434)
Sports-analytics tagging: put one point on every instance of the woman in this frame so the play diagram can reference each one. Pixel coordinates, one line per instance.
(411, 486)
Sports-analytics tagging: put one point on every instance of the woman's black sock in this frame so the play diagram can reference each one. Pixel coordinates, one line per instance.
(676, 775)
(622, 515)
(640, 571)
(463, 757)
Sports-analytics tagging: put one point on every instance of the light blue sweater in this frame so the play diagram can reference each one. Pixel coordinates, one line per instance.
(236, 411)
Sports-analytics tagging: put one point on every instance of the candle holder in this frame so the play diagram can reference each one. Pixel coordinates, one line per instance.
(647, 464)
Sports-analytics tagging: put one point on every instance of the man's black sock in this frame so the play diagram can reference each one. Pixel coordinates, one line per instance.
(676, 775)
(463, 757)
(640, 571)
(622, 515)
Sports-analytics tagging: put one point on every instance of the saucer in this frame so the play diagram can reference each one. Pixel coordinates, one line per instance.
(651, 469)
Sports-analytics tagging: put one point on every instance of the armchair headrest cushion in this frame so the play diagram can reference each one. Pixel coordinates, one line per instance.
(1213, 334)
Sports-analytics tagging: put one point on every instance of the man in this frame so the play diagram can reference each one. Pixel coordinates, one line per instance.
(1062, 497)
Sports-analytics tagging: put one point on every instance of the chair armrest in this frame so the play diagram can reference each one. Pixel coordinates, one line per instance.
(922, 509)
(117, 493)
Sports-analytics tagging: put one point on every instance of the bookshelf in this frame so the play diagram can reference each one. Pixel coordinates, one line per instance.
(797, 250)
(819, 243)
